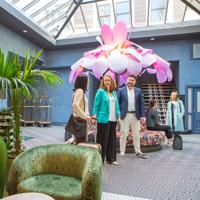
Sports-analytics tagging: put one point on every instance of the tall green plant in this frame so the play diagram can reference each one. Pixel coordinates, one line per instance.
(20, 80)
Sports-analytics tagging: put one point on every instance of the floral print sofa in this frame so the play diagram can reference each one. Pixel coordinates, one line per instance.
(149, 140)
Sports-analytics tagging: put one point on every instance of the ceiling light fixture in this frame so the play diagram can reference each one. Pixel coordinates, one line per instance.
(152, 39)
(24, 31)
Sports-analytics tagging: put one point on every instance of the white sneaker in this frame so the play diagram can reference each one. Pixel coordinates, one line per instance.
(70, 141)
(122, 154)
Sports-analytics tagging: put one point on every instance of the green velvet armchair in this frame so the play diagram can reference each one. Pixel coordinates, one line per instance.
(3, 166)
(65, 172)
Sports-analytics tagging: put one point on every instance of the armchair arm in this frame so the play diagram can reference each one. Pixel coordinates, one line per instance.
(24, 166)
(92, 178)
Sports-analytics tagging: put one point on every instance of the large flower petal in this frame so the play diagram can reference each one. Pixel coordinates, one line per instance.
(169, 75)
(111, 74)
(88, 62)
(161, 63)
(133, 52)
(106, 34)
(161, 76)
(120, 32)
(100, 67)
(95, 52)
(151, 71)
(118, 62)
(74, 74)
(143, 51)
(123, 78)
(134, 67)
(127, 44)
(148, 60)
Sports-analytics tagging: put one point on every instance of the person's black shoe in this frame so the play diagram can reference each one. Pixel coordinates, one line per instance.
(141, 155)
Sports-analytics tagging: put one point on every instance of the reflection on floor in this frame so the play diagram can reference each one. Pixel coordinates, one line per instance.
(166, 174)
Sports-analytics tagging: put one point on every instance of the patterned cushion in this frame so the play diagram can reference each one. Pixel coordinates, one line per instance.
(60, 187)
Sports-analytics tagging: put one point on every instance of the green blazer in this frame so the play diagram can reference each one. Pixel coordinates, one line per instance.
(102, 106)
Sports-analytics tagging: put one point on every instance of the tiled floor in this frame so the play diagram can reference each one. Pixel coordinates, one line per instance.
(166, 174)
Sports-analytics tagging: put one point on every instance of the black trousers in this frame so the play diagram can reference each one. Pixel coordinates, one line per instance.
(106, 137)
(165, 128)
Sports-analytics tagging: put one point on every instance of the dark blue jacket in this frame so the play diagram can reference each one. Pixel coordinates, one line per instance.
(123, 102)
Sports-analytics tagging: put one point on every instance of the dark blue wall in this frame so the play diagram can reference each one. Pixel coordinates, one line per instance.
(61, 97)
(10, 41)
(181, 51)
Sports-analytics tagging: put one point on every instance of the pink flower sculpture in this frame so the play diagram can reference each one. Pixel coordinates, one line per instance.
(118, 55)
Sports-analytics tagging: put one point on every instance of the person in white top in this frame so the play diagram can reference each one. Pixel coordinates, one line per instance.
(106, 113)
(131, 103)
(80, 107)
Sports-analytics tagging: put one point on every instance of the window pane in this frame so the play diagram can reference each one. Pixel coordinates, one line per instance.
(105, 20)
(125, 18)
(56, 27)
(157, 16)
(122, 7)
(157, 11)
(174, 14)
(155, 4)
(104, 13)
(189, 100)
(139, 13)
(54, 10)
(37, 6)
(67, 32)
(104, 10)
(198, 101)
(189, 122)
(191, 15)
(78, 22)
(91, 17)
(22, 4)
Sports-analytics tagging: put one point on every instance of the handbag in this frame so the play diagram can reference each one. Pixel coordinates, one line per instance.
(177, 142)
(76, 125)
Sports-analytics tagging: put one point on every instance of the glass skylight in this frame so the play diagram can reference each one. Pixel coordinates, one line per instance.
(74, 18)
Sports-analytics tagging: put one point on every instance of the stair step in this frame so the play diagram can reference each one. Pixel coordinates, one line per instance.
(161, 93)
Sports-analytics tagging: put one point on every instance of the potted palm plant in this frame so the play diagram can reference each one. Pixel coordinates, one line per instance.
(20, 80)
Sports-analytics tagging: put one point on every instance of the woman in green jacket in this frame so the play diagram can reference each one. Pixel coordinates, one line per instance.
(106, 112)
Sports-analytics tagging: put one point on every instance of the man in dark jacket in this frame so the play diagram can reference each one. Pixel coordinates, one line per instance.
(131, 103)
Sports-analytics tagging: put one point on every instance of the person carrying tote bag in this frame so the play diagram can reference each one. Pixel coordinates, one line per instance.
(77, 123)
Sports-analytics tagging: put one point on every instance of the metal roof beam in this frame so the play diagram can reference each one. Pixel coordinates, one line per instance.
(54, 12)
(68, 19)
(194, 5)
(59, 18)
(43, 8)
(32, 3)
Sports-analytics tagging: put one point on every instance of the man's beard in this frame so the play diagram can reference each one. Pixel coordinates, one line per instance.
(130, 84)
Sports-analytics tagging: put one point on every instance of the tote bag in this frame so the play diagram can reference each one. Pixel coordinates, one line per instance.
(76, 125)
